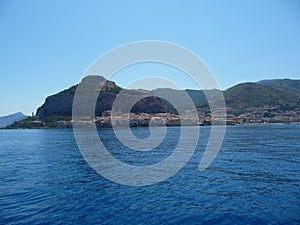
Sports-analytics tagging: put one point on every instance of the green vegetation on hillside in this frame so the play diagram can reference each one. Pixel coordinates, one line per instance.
(289, 85)
(256, 95)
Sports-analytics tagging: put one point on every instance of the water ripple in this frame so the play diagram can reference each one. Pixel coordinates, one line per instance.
(255, 179)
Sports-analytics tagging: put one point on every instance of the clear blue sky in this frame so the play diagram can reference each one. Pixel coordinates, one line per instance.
(47, 45)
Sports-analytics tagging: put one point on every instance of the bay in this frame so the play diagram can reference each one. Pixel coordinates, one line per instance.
(255, 179)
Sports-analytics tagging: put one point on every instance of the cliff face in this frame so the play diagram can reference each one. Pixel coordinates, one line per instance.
(62, 102)
(58, 104)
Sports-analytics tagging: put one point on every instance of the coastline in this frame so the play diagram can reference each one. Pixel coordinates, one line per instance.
(133, 127)
(188, 118)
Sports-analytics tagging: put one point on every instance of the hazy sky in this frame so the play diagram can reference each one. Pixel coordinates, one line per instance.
(47, 45)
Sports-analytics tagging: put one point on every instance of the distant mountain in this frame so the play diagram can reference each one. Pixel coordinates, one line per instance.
(199, 97)
(282, 93)
(283, 84)
(10, 119)
(260, 94)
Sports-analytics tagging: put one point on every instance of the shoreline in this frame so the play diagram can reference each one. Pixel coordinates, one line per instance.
(134, 127)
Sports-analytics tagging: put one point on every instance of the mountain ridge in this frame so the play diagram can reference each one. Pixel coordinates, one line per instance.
(263, 98)
(283, 84)
(258, 95)
(11, 118)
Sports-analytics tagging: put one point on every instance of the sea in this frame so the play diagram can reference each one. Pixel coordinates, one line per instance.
(255, 179)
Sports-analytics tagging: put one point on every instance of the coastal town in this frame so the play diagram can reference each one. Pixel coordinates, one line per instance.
(258, 115)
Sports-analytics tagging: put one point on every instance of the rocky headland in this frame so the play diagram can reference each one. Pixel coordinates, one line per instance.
(268, 101)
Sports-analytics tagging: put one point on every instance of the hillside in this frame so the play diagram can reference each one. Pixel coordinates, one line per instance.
(198, 97)
(283, 84)
(248, 95)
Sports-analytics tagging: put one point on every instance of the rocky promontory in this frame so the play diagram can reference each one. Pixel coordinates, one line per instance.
(268, 101)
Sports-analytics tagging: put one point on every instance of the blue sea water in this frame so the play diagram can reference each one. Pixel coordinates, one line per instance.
(255, 179)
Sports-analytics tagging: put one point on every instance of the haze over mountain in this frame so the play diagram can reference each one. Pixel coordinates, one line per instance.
(10, 119)
(199, 97)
